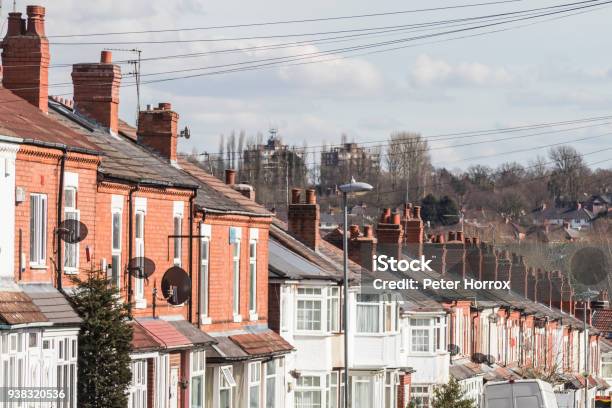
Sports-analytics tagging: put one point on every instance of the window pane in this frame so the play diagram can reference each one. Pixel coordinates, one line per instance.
(177, 239)
(117, 231)
(367, 318)
(197, 392)
(252, 286)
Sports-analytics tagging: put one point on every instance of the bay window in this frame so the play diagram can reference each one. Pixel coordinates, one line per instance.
(198, 367)
(254, 384)
(390, 389)
(38, 229)
(308, 392)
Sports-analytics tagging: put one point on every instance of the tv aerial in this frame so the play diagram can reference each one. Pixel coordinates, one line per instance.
(186, 133)
(176, 285)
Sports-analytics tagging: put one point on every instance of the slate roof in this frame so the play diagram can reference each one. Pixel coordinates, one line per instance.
(195, 335)
(565, 213)
(123, 158)
(214, 194)
(462, 370)
(602, 320)
(52, 304)
(285, 263)
(20, 119)
(256, 344)
(18, 308)
(247, 343)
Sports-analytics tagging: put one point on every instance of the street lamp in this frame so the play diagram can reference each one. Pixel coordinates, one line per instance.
(351, 188)
(585, 297)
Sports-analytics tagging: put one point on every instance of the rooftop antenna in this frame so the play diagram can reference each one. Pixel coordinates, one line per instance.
(135, 71)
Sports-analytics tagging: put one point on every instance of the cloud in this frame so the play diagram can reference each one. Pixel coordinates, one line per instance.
(429, 71)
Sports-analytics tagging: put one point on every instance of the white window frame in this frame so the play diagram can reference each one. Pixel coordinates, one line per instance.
(391, 382)
(312, 296)
(333, 309)
(273, 377)
(205, 235)
(71, 250)
(38, 231)
(198, 369)
(332, 383)
(227, 383)
(236, 248)
(254, 381)
(420, 395)
(115, 267)
(421, 335)
(253, 279)
(369, 304)
(357, 379)
(311, 388)
(138, 386)
(177, 247)
(139, 239)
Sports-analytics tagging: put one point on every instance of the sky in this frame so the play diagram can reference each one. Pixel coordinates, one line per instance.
(547, 72)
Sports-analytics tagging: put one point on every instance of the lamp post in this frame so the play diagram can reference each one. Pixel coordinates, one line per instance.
(586, 297)
(346, 189)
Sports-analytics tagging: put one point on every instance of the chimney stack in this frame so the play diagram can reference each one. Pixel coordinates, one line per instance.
(157, 129)
(304, 218)
(25, 57)
(389, 233)
(96, 91)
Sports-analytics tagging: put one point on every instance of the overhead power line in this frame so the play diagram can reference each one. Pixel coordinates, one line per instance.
(269, 23)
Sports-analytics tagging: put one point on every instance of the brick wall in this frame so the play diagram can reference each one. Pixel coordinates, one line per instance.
(221, 274)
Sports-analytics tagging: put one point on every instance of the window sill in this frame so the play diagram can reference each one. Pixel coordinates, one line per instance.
(253, 317)
(205, 320)
(37, 267)
(70, 271)
(237, 319)
(140, 304)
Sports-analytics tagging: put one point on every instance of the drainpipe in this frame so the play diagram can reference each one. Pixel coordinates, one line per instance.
(190, 311)
(60, 199)
(130, 243)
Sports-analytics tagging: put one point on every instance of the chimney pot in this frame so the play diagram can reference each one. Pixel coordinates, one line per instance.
(36, 20)
(106, 57)
(354, 231)
(460, 236)
(451, 236)
(385, 215)
(368, 231)
(295, 195)
(230, 177)
(396, 218)
(311, 197)
(417, 212)
(25, 57)
(15, 24)
(165, 106)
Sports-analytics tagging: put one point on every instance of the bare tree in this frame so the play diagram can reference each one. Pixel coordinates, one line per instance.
(567, 175)
(409, 164)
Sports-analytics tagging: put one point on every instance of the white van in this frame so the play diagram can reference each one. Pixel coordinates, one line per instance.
(519, 394)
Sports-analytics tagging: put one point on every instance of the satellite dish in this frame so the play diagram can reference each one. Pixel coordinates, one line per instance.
(453, 349)
(176, 286)
(589, 266)
(72, 231)
(141, 267)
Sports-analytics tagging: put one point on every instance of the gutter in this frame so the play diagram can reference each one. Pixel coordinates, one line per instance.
(130, 243)
(60, 199)
(234, 212)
